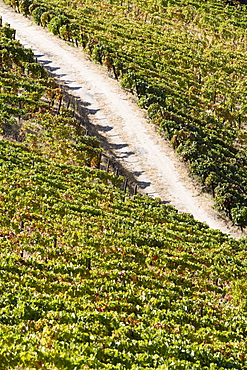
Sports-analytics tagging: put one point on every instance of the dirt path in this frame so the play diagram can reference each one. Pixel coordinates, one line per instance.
(117, 119)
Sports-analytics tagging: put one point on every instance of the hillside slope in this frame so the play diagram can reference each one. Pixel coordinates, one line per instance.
(110, 110)
(91, 278)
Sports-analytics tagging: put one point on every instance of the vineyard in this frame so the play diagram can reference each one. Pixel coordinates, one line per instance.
(91, 277)
(186, 63)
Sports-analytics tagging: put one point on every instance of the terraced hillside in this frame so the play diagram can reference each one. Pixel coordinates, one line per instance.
(186, 62)
(90, 277)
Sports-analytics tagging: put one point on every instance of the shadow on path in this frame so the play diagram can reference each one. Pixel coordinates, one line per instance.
(82, 112)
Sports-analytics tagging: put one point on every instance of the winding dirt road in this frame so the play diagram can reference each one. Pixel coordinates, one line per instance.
(118, 120)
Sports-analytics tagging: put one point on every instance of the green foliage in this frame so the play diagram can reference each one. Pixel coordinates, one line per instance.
(37, 13)
(29, 103)
(240, 216)
(91, 279)
(186, 63)
(24, 6)
(56, 23)
(45, 18)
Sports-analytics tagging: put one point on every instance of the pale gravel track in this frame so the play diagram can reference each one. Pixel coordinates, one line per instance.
(115, 115)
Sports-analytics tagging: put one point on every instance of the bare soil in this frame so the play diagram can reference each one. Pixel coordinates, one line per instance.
(121, 126)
